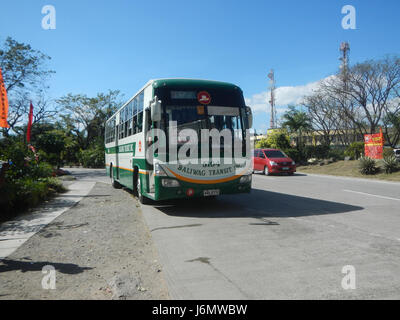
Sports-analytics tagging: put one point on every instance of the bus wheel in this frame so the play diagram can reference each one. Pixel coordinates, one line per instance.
(138, 189)
(114, 183)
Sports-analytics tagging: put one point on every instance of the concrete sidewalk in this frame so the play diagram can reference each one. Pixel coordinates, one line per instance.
(14, 233)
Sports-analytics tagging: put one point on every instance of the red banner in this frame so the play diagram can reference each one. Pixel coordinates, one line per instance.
(374, 145)
(3, 104)
(28, 132)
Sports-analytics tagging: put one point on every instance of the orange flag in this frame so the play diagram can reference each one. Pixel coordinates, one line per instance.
(3, 104)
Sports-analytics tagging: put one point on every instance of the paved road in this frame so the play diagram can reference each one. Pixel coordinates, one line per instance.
(288, 239)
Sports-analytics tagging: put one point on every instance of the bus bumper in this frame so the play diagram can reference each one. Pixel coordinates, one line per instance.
(192, 190)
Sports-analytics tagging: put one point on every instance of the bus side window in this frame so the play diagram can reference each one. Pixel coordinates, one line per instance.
(139, 123)
(130, 127)
(126, 128)
(134, 125)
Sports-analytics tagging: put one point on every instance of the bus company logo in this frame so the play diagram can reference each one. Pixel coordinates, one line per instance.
(204, 97)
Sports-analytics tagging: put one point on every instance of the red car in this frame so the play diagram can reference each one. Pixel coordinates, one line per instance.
(273, 161)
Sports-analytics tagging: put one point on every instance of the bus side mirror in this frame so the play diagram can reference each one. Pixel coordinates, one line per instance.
(156, 110)
(249, 117)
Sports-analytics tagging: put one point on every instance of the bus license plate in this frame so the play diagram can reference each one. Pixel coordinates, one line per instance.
(208, 193)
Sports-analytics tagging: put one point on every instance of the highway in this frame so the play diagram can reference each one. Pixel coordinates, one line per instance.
(292, 237)
(289, 239)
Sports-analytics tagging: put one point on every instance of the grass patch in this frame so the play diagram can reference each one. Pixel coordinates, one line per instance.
(349, 169)
(21, 194)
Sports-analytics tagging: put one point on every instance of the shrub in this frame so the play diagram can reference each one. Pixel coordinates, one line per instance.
(262, 143)
(55, 184)
(390, 164)
(294, 154)
(336, 154)
(93, 157)
(42, 170)
(355, 150)
(277, 139)
(17, 195)
(387, 152)
(368, 166)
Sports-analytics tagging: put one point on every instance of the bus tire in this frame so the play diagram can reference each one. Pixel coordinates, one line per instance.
(114, 183)
(138, 190)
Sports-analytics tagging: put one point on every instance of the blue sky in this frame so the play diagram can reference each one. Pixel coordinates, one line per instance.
(101, 45)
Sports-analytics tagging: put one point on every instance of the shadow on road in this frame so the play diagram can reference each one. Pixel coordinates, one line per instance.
(296, 174)
(259, 203)
(26, 266)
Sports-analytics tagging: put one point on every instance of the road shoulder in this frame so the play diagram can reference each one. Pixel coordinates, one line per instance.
(100, 249)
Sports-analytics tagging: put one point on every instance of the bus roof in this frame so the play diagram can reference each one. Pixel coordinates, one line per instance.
(173, 82)
(195, 83)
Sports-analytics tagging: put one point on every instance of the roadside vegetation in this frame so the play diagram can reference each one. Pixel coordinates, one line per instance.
(329, 125)
(350, 168)
(67, 131)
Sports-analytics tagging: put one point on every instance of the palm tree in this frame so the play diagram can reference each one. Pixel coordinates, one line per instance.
(297, 122)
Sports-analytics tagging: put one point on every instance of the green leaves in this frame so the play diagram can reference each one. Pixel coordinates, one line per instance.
(368, 166)
(390, 164)
(22, 66)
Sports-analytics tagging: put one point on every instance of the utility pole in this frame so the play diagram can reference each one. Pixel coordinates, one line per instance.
(344, 73)
(273, 120)
(344, 49)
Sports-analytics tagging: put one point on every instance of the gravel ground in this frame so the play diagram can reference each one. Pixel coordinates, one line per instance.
(100, 248)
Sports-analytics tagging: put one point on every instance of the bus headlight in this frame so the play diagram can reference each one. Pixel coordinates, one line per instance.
(158, 170)
(245, 179)
(170, 183)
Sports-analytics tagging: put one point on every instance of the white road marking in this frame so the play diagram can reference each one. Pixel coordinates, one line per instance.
(372, 195)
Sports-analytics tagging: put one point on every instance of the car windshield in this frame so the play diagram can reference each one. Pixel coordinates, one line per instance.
(274, 154)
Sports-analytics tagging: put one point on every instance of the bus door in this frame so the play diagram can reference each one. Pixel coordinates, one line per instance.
(148, 144)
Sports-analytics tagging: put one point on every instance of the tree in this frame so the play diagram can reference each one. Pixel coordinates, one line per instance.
(276, 139)
(323, 113)
(297, 122)
(25, 73)
(51, 145)
(85, 117)
(391, 123)
(327, 117)
(367, 92)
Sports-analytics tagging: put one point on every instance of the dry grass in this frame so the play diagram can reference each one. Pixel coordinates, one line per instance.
(347, 169)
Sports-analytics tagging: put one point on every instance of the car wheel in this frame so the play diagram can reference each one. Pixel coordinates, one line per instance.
(266, 171)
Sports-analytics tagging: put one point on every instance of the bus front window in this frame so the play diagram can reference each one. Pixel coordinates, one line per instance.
(194, 117)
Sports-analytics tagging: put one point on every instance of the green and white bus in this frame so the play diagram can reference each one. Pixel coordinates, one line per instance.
(138, 158)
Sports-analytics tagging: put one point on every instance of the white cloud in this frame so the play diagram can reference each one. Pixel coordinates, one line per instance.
(284, 97)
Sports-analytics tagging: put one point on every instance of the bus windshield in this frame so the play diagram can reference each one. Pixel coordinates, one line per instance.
(194, 117)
